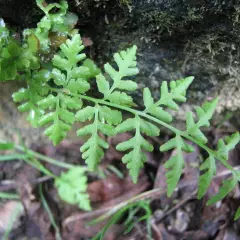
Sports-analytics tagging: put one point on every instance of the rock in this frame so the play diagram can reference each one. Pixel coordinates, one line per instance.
(174, 38)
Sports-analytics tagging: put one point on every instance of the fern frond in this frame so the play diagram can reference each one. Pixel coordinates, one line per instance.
(225, 189)
(72, 187)
(126, 63)
(31, 95)
(92, 149)
(209, 166)
(55, 20)
(15, 58)
(136, 157)
(237, 214)
(73, 79)
(61, 118)
(177, 93)
(226, 145)
(68, 74)
(176, 162)
(204, 114)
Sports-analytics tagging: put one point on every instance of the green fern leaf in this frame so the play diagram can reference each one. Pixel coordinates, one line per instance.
(92, 149)
(136, 157)
(120, 98)
(31, 96)
(68, 74)
(177, 93)
(61, 118)
(72, 187)
(71, 51)
(204, 114)
(223, 149)
(126, 62)
(153, 109)
(112, 117)
(225, 189)
(237, 214)
(209, 166)
(14, 58)
(176, 162)
(56, 20)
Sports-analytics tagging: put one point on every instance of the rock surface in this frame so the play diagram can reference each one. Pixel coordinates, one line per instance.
(175, 38)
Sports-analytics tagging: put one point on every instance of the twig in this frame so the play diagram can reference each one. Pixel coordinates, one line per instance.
(9, 184)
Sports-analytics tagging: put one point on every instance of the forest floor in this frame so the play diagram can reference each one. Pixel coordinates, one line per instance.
(142, 208)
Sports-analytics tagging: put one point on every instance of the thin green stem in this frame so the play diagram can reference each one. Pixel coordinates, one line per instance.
(46, 158)
(13, 157)
(50, 215)
(9, 195)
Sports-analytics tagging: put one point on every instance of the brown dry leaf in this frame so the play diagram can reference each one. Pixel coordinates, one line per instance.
(105, 189)
(161, 233)
(130, 191)
(112, 187)
(190, 175)
(87, 41)
(228, 233)
(79, 229)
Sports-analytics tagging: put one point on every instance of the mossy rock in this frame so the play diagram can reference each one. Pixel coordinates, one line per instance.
(174, 38)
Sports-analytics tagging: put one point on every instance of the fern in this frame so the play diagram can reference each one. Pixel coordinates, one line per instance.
(31, 95)
(204, 114)
(223, 148)
(93, 149)
(225, 189)
(126, 62)
(15, 58)
(72, 187)
(209, 166)
(136, 158)
(176, 162)
(177, 93)
(237, 215)
(57, 94)
(69, 76)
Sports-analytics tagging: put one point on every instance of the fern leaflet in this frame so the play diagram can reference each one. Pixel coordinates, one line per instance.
(209, 166)
(93, 149)
(176, 162)
(32, 95)
(126, 62)
(225, 189)
(224, 148)
(204, 114)
(136, 157)
(177, 93)
(237, 214)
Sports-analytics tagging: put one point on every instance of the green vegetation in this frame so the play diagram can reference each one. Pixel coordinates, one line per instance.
(57, 95)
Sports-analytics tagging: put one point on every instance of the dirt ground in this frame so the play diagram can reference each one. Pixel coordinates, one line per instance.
(179, 217)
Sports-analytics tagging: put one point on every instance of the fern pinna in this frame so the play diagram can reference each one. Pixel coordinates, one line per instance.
(57, 95)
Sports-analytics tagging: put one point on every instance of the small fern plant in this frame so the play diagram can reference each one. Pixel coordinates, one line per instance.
(57, 94)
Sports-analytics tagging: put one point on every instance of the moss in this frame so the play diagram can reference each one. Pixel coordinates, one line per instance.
(126, 3)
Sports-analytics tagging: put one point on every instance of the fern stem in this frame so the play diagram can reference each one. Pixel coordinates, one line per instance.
(41, 157)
